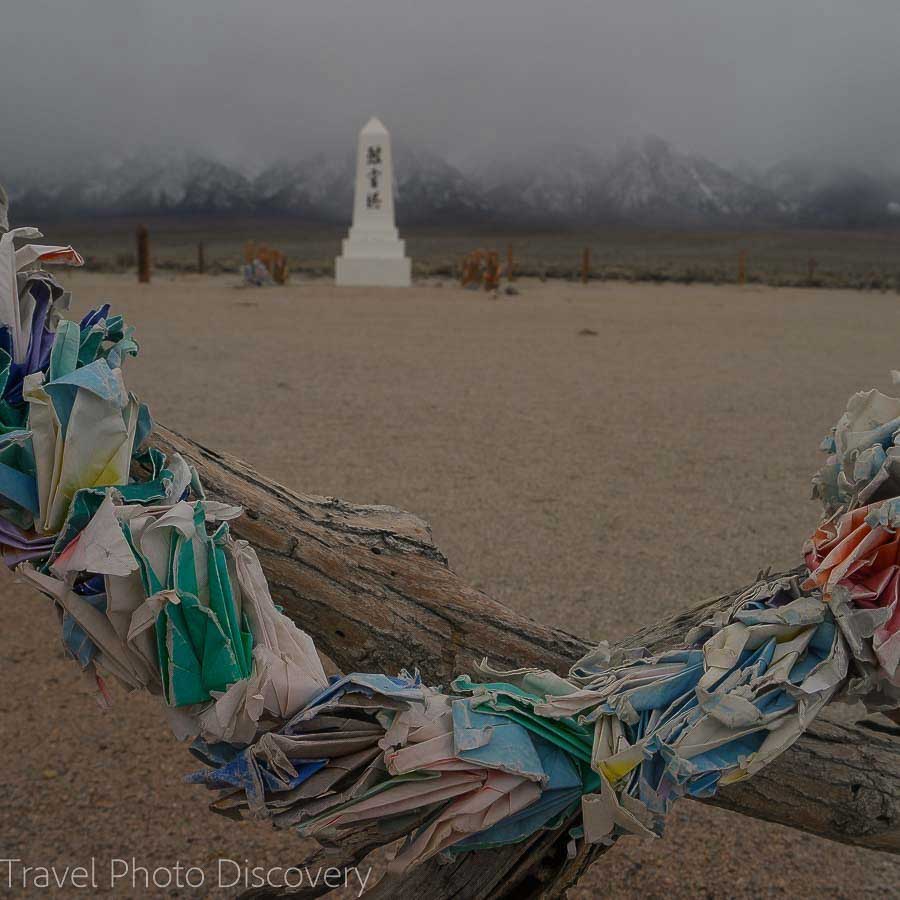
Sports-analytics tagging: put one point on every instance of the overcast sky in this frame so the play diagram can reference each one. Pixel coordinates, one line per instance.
(251, 81)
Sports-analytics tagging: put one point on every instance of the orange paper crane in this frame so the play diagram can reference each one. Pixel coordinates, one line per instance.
(472, 265)
(482, 267)
(274, 260)
(492, 271)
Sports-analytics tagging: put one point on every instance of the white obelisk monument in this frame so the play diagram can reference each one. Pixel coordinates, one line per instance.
(373, 253)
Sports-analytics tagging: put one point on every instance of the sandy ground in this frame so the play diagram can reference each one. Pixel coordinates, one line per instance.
(597, 480)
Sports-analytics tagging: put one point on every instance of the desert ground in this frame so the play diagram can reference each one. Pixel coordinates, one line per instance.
(595, 456)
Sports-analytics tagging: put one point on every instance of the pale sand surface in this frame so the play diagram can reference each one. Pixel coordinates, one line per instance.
(596, 481)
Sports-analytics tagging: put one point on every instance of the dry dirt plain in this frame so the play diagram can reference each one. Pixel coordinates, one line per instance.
(595, 456)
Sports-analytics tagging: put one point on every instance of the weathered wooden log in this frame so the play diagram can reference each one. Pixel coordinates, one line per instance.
(369, 585)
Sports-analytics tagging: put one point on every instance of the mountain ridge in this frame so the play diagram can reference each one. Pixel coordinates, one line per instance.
(646, 182)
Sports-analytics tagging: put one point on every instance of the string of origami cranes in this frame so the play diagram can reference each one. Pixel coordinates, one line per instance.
(152, 589)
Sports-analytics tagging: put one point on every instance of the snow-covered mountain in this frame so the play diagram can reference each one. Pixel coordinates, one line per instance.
(150, 182)
(555, 184)
(318, 188)
(831, 195)
(647, 182)
(650, 181)
(427, 190)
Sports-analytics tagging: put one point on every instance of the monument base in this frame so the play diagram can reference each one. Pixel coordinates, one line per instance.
(361, 271)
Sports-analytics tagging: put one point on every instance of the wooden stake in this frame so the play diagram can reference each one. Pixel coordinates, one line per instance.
(143, 255)
(742, 267)
(585, 265)
(201, 259)
(279, 268)
(510, 264)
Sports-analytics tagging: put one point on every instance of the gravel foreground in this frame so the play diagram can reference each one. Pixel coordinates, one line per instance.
(595, 456)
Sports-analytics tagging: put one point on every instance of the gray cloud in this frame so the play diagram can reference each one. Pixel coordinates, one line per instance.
(254, 81)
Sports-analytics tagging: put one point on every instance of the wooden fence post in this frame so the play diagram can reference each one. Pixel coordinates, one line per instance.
(201, 259)
(510, 263)
(742, 267)
(585, 265)
(143, 255)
